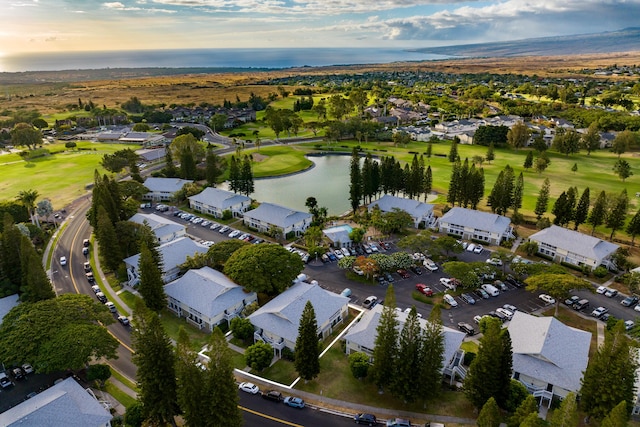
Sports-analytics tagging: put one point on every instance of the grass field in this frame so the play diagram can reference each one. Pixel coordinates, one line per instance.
(60, 177)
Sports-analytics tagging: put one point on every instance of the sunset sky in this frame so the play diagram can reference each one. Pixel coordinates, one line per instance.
(87, 25)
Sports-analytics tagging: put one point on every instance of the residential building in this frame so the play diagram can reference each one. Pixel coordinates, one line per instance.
(277, 322)
(206, 298)
(65, 404)
(421, 213)
(163, 189)
(214, 201)
(339, 235)
(173, 254)
(549, 357)
(268, 215)
(7, 304)
(163, 228)
(573, 247)
(362, 335)
(476, 225)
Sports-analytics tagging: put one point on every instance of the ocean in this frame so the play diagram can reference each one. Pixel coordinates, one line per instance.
(208, 58)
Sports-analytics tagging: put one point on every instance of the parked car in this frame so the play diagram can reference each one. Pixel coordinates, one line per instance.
(111, 306)
(629, 301)
(85, 251)
(358, 270)
(398, 422)
(494, 261)
(17, 373)
(506, 312)
(273, 395)
(478, 318)
(248, 387)
(424, 290)
(294, 402)
(234, 234)
(95, 289)
(481, 293)
(491, 290)
(27, 368)
(214, 225)
(449, 283)
(501, 285)
(124, 320)
(90, 277)
(467, 298)
(370, 301)
(366, 419)
(389, 277)
(416, 270)
(450, 300)
(346, 292)
(403, 273)
(610, 293)
(511, 308)
(514, 282)
(571, 300)
(601, 290)
(223, 229)
(599, 312)
(628, 324)
(429, 265)
(467, 328)
(87, 267)
(101, 297)
(4, 380)
(547, 298)
(498, 315)
(478, 249)
(374, 247)
(581, 304)
(470, 247)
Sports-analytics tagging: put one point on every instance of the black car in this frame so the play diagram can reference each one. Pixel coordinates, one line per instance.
(416, 270)
(571, 300)
(274, 395)
(467, 328)
(498, 315)
(514, 282)
(367, 419)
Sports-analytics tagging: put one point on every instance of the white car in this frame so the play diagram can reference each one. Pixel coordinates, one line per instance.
(63, 260)
(494, 261)
(504, 311)
(205, 223)
(449, 283)
(234, 233)
(450, 300)
(374, 247)
(408, 310)
(511, 308)
(430, 265)
(339, 254)
(250, 388)
(628, 324)
(601, 290)
(547, 298)
(637, 307)
(470, 247)
(478, 249)
(598, 312)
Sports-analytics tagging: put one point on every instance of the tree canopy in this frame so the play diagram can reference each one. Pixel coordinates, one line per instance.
(57, 334)
(267, 268)
(24, 134)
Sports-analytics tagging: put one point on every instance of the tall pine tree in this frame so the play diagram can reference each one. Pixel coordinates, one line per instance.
(234, 175)
(582, 209)
(598, 212)
(410, 364)
(246, 177)
(543, 199)
(518, 192)
(355, 187)
(307, 360)
(190, 383)
(108, 241)
(220, 384)
(386, 343)
(156, 373)
(617, 213)
(151, 285)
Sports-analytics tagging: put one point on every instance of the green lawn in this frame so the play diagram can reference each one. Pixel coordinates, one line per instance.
(119, 395)
(278, 160)
(282, 371)
(60, 177)
(172, 324)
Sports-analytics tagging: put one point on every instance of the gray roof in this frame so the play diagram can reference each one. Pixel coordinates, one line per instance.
(415, 208)
(160, 225)
(548, 350)
(208, 291)
(277, 215)
(219, 198)
(480, 220)
(66, 404)
(337, 234)
(6, 304)
(169, 185)
(173, 253)
(364, 332)
(282, 314)
(152, 153)
(576, 242)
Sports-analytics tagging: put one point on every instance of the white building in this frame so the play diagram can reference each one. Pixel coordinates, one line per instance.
(421, 213)
(476, 225)
(206, 298)
(163, 189)
(214, 201)
(268, 215)
(163, 228)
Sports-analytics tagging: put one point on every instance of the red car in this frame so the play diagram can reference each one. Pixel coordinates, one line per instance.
(403, 273)
(424, 289)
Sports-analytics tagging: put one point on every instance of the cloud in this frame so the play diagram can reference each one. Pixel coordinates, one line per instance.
(116, 5)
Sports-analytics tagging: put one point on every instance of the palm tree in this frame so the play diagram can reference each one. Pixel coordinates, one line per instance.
(28, 199)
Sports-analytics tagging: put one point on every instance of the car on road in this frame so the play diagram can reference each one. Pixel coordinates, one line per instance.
(403, 273)
(610, 293)
(124, 320)
(466, 328)
(450, 300)
(601, 290)
(629, 301)
(87, 267)
(248, 387)
(467, 298)
(571, 300)
(424, 290)
(294, 402)
(370, 301)
(598, 312)
(398, 422)
(63, 260)
(101, 297)
(90, 277)
(547, 298)
(86, 243)
(366, 419)
(430, 265)
(273, 395)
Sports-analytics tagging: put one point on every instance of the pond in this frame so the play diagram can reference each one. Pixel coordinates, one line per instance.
(327, 181)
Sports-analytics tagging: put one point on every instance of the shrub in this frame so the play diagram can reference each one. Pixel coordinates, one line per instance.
(258, 356)
(468, 358)
(359, 364)
(288, 354)
(600, 271)
(242, 329)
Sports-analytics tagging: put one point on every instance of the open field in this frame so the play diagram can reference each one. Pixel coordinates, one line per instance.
(53, 92)
(60, 177)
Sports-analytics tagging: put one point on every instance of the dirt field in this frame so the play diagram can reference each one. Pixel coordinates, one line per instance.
(53, 92)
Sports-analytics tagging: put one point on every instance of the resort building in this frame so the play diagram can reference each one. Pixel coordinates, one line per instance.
(268, 216)
(573, 247)
(207, 298)
(476, 225)
(215, 202)
(339, 235)
(163, 228)
(163, 189)
(421, 213)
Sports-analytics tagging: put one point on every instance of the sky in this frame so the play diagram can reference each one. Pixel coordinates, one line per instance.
(30, 26)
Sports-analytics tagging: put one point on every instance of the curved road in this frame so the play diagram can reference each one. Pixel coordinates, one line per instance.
(71, 279)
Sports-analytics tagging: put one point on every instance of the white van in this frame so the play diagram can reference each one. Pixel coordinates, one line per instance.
(471, 247)
(491, 290)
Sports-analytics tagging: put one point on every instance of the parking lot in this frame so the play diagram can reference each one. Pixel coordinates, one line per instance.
(21, 388)
(333, 278)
